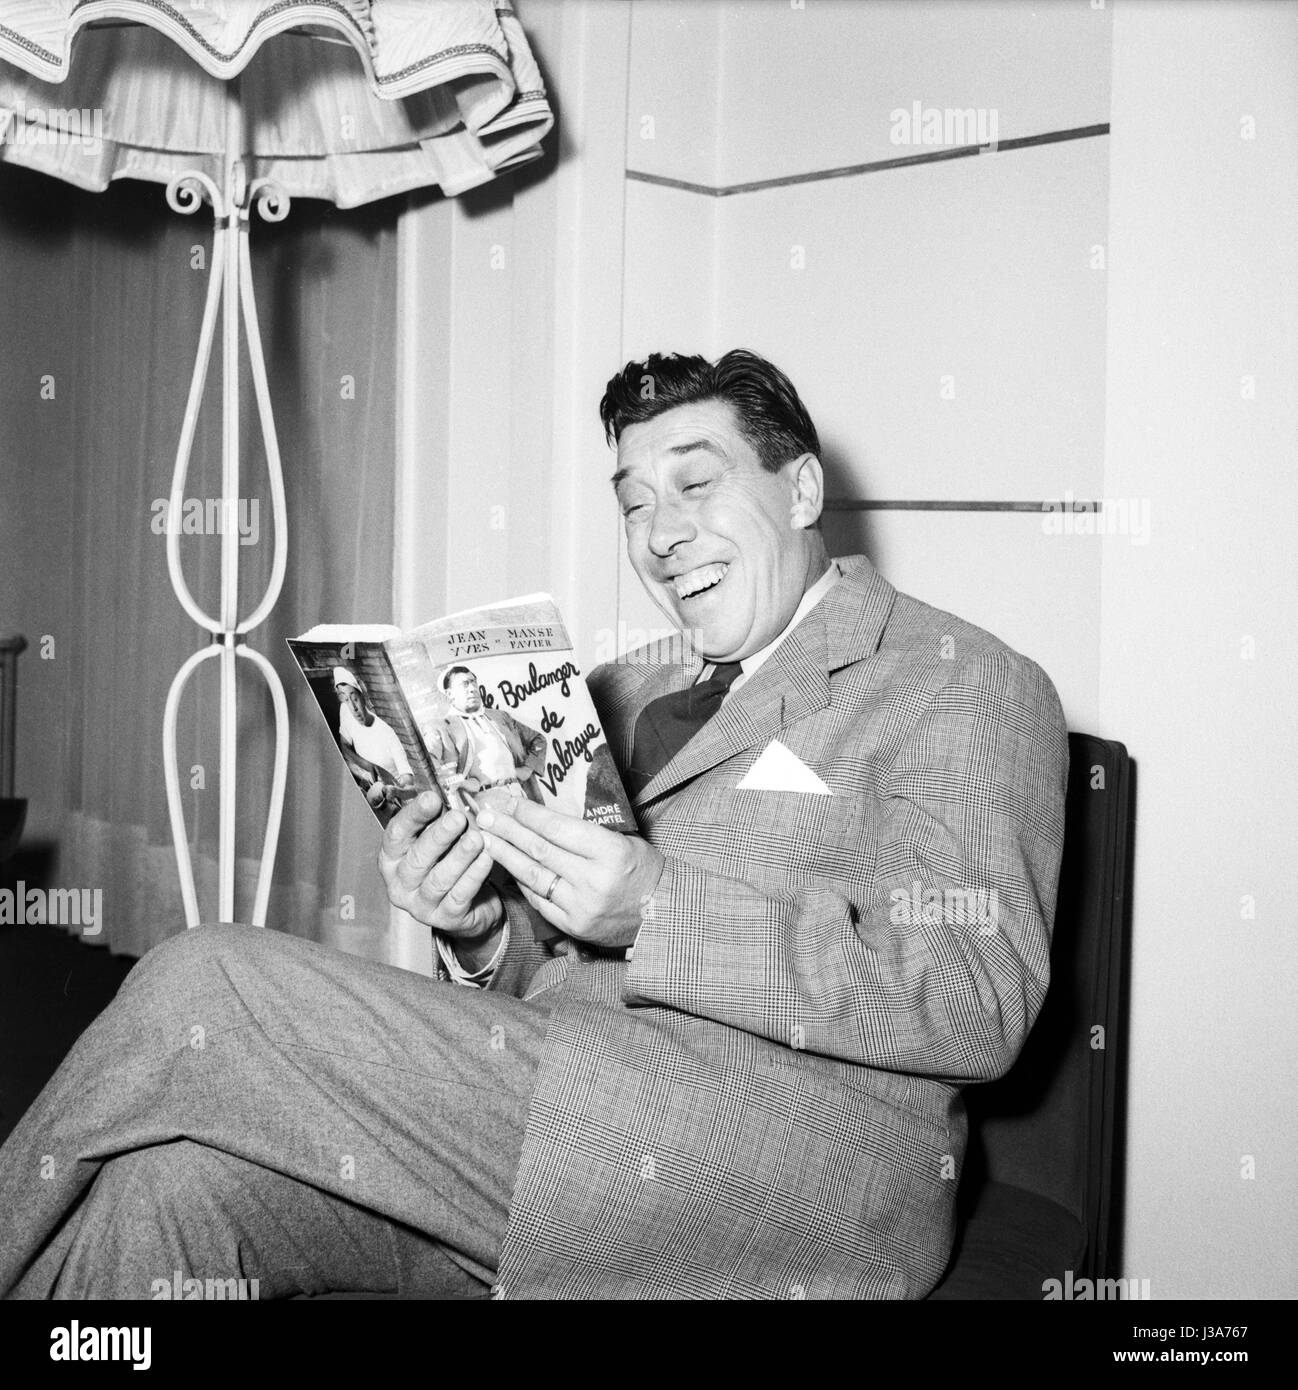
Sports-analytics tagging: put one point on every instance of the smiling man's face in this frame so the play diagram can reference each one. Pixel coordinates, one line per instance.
(724, 547)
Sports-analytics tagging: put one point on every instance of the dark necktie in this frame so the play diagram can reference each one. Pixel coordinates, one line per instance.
(668, 723)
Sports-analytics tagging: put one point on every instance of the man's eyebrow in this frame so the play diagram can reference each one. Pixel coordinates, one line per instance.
(689, 446)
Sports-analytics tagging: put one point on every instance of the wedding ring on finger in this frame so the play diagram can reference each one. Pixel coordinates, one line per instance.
(548, 895)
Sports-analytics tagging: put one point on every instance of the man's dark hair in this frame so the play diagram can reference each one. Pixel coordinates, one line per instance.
(770, 412)
(455, 671)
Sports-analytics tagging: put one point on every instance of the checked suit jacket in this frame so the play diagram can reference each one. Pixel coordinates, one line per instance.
(764, 1102)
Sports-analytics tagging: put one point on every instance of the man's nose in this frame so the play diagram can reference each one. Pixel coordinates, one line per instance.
(671, 526)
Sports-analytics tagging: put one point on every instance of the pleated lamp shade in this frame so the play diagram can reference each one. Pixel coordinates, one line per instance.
(354, 100)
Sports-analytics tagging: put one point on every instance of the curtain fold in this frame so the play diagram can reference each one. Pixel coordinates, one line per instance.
(103, 295)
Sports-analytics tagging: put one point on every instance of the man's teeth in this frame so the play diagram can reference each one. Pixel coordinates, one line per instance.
(696, 580)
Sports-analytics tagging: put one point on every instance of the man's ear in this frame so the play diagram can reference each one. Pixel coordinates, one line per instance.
(808, 481)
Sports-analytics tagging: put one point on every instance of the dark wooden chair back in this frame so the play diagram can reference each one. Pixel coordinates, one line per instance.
(1039, 1195)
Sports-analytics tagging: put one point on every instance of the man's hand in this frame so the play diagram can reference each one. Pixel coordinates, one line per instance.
(435, 867)
(601, 879)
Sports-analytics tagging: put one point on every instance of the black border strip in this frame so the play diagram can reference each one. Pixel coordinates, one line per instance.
(1050, 137)
(851, 504)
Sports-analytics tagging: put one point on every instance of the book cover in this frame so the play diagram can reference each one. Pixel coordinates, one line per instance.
(490, 705)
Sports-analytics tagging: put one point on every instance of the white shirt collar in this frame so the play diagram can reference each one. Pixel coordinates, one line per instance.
(809, 600)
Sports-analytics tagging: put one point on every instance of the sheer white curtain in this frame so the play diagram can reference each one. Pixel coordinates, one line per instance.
(102, 294)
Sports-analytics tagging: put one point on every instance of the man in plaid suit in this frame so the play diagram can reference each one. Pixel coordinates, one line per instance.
(750, 1083)
(740, 1078)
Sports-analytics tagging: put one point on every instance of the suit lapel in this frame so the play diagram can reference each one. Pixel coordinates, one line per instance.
(791, 683)
(843, 627)
(463, 745)
(620, 707)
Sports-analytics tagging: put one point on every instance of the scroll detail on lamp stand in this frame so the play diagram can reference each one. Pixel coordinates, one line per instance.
(230, 289)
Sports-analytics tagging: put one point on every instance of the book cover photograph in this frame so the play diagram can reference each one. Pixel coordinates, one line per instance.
(488, 705)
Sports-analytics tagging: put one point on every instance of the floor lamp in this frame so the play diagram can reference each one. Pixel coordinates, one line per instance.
(351, 102)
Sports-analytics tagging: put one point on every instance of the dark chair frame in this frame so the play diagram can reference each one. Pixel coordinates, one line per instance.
(1040, 1197)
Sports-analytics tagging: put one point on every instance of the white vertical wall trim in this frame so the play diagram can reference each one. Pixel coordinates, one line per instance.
(419, 539)
(454, 399)
(591, 80)
(477, 457)
(423, 323)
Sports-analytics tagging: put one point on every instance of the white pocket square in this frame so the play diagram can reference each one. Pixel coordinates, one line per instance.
(779, 770)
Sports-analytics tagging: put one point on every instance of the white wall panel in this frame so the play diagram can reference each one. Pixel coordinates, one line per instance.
(944, 321)
(674, 93)
(814, 87)
(1038, 592)
(1198, 662)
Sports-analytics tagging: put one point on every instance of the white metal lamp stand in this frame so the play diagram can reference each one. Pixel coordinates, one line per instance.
(230, 291)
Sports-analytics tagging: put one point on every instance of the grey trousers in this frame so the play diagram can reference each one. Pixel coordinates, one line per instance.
(252, 1105)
